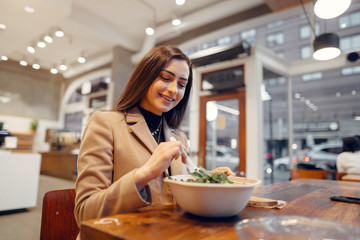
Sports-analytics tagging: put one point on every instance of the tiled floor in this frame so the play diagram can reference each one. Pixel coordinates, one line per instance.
(26, 225)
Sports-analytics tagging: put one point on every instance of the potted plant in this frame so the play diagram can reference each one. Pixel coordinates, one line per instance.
(34, 124)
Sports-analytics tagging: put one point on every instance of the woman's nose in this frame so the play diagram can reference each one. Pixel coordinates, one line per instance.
(172, 87)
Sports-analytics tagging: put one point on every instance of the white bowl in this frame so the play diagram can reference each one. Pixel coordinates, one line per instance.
(212, 199)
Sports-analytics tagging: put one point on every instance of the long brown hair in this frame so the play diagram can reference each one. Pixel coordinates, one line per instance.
(145, 73)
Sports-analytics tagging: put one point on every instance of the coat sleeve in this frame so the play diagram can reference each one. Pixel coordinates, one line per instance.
(96, 193)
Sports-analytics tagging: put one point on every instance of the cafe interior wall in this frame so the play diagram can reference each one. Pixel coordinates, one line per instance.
(28, 94)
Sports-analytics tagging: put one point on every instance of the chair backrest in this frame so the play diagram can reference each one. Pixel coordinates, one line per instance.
(58, 220)
(309, 173)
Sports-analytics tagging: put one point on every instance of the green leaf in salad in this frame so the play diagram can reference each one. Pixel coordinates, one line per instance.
(202, 175)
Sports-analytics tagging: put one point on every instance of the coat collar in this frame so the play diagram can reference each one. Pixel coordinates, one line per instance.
(137, 125)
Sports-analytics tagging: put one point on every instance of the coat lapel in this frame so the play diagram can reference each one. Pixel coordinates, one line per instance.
(139, 128)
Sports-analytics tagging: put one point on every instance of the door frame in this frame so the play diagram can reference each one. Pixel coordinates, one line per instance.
(240, 95)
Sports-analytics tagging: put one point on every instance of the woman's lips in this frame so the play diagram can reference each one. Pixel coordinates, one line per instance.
(168, 99)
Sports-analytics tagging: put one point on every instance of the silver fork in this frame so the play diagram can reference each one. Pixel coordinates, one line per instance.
(190, 165)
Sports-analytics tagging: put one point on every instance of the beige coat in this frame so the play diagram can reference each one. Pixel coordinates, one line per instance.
(113, 146)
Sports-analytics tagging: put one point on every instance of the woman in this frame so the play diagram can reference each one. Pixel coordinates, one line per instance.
(349, 160)
(126, 152)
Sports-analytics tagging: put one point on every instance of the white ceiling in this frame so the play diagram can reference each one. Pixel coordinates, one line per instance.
(94, 27)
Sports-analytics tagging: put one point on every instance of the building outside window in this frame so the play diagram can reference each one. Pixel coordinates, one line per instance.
(275, 39)
(306, 52)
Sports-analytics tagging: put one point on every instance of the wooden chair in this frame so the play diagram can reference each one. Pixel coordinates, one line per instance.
(58, 220)
(309, 173)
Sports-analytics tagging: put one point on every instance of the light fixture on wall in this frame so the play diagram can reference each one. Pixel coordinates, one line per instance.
(327, 9)
(326, 46)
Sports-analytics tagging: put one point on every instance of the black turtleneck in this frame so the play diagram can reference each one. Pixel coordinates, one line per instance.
(153, 121)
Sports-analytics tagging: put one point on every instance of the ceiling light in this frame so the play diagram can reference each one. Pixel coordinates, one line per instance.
(81, 59)
(63, 67)
(36, 66)
(179, 2)
(4, 58)
(327, 9)
(48, 38)
(176, 21)
(326, 46)
(30, 49)
(2, 26)
(150, 31)
(59, 33)
(41, 44)
(53, 70)
(29, 9)
(23, 63)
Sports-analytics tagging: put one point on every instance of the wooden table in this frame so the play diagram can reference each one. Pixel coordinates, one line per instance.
(351, 177)
(305, 197)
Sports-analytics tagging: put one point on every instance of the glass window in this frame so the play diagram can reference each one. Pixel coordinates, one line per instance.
(248, 35)
(305, 31)
(311, 76)
(274, 24)
(350, 71)
(275, 39)
(350, 42)
(349, 20)
(306, 52)
(224, 40)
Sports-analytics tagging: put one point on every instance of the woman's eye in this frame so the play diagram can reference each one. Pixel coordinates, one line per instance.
(182, 85)
(165, 78)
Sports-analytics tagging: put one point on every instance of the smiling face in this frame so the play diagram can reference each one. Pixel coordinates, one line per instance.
(168, 88)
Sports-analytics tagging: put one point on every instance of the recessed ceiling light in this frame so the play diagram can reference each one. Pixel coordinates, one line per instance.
(48, 39)
(179, 2)
(36, 66)
(4, 58)
(30, 49)
(29, 9)
(41, 44)
(176, 21)
(81, 60)
(23, 63)
(63, 67)
(59, 33)
(2, 26)
(54, 71)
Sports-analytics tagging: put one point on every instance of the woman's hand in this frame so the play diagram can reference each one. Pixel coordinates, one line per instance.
(159, 161)
(226, 170)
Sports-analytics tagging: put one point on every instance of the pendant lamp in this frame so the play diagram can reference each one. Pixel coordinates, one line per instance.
(327, 9)
(326, 46)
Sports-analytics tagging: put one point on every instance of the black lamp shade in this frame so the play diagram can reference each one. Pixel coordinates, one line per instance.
(326, 46)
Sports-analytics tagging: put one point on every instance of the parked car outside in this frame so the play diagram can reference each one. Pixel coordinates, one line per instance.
(324, 155)
(223, 158)
(284, 163)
